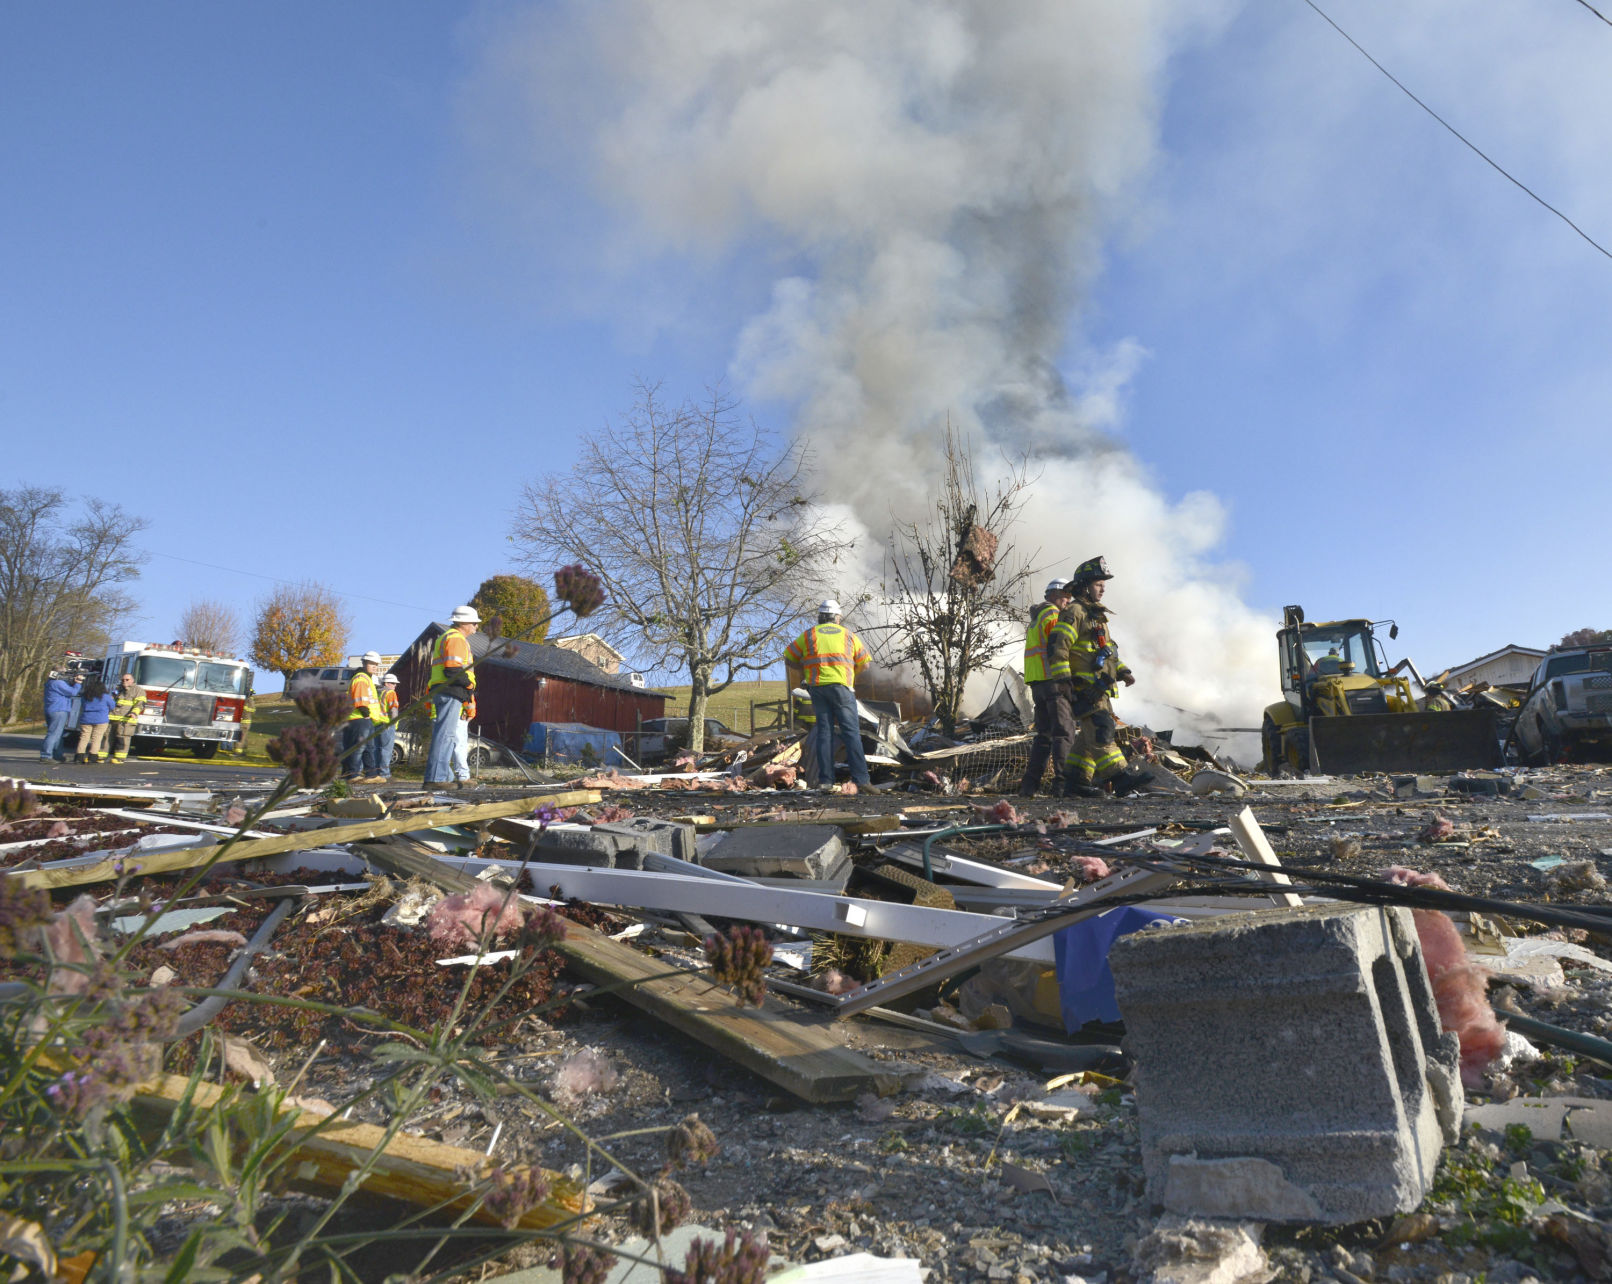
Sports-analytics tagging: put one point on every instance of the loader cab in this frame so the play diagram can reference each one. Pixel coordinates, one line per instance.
(1318, 653)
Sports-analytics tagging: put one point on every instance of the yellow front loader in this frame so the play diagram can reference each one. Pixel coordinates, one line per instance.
(1344, 710)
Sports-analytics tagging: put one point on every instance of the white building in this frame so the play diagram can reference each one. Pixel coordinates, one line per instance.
(1510, 666)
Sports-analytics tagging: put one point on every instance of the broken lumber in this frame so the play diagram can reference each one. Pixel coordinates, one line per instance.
(1251, 838)
(72, 873)
(849, 821)
(801, 1053)
(411, 1168)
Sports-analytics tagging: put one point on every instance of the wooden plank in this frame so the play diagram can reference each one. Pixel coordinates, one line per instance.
(411, 1168)
(68, 875)
(1251, 838)
(801, 1053)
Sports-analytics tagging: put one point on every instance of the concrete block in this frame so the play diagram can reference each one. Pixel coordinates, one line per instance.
(1290, 1064)
(780, 851)
(618, 845)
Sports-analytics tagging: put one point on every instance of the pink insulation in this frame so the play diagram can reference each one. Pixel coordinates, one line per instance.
(1091, 868)
(1460, 986)
(463, 918)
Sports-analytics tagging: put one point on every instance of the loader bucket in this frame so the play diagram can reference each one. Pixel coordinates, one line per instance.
(1453, 741)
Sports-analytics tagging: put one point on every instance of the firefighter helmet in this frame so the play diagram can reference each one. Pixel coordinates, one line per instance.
(1092, 569)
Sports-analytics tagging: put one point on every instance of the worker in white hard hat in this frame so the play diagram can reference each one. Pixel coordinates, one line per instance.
(1046, 672)
(388, 737)
(361, 752)
(826, 659)
(453, 701)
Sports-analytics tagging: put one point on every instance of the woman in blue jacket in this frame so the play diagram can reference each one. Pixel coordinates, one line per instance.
(59, 693)
(93, 716)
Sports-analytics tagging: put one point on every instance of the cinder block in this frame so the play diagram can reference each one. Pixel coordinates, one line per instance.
(780, 851)
(1290, 1064)
(618, 845)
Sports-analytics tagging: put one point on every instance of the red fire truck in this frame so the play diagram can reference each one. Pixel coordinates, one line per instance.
(195, 699)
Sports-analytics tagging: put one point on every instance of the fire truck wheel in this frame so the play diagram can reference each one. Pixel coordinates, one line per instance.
(145, 747)
(204, 748)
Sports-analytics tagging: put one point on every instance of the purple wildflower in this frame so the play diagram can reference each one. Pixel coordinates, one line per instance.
(327, 708)
(514, 1192)
(740, 959)
(17, 801)
(580, 589)
(76, 1093)
(691, 1142)
(662, 1208)
(584, 1264)
(547, 814)
(21, 909)
(308, 753)
(737, 1260)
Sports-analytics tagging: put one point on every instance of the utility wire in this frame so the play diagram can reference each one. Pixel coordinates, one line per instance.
(275, 579)
(1596, 12)
(1474, 147)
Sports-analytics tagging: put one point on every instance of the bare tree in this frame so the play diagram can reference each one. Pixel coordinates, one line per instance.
(210, 625)
(59, 578)
(700, 529)
(954, 604)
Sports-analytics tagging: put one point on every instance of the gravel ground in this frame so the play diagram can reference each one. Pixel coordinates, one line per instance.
(949, 1172)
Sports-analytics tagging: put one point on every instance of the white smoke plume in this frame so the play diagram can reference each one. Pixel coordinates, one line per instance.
(936, 181)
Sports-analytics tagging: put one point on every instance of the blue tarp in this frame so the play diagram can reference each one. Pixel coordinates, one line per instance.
(1085, 985)
(574, 742)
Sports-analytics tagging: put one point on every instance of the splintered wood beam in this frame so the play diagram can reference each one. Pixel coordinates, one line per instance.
(1251, 838)
(71, 873)
(411, 1168)
(849, 821)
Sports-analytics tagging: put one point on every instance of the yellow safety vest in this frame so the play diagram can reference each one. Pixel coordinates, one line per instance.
(828, 654)
(1036, 668)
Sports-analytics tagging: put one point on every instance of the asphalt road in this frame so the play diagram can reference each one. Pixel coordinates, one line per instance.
(19, 756)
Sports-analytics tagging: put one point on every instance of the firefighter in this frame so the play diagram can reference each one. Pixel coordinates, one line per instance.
(1095, 759)
(1046, 670)
(362, 720)
(388, 736)
(827, 658)
(1436, 699)
(125, 716)
(453, 700)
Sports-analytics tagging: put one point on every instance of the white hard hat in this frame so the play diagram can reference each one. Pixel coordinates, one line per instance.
(370, 657)
(1056, 586)
(390, 677)
(465, 615)
(828, 606)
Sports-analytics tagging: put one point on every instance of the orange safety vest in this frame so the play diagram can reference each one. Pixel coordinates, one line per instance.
(361, 690)
(388, 704)
(828, 654)
(451, 645)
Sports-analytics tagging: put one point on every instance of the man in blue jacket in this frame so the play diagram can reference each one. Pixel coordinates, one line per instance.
(59, 693)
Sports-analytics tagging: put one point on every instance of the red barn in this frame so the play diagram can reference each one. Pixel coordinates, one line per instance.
(535, 684)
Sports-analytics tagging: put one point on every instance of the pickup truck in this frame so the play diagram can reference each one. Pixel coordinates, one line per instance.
(1568, 712)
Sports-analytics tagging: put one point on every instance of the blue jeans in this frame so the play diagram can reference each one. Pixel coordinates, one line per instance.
(387, 740)
(354, 760)
(55, 724)
(834, 707)
(449, 758)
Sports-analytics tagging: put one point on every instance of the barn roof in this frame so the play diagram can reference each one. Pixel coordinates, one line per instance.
(548, 661)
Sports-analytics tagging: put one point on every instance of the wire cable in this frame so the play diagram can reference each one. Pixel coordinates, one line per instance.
(1596, 12)
(276, 579)
(1469, 143)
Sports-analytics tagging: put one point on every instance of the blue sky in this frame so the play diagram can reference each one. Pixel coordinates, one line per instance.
(296, 284)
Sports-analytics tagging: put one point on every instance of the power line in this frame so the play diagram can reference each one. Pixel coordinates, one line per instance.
(275, 579)
(1596, 12)
(1474, 147)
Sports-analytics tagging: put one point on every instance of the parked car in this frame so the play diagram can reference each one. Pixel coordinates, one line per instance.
(409, 746)
(304, 680)
(659, 738)
(1568, 712)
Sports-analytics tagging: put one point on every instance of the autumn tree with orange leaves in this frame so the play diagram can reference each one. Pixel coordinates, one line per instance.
(300, 626)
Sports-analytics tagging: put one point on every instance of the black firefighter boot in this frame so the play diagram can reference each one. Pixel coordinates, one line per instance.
(1130, 781)
(1076, 786)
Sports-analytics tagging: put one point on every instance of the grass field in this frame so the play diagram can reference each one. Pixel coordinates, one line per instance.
(732, 707)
